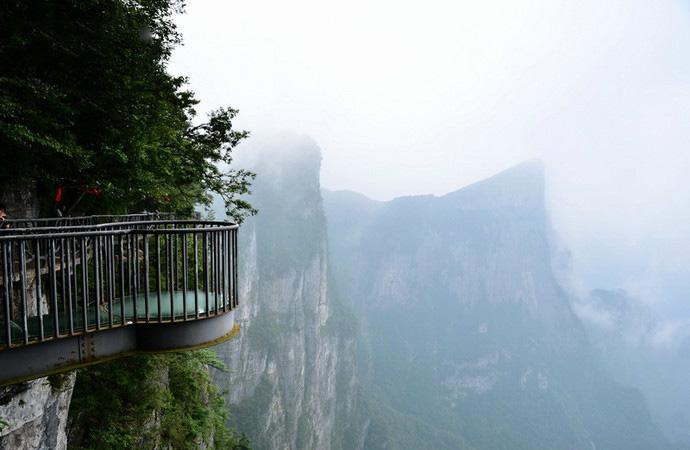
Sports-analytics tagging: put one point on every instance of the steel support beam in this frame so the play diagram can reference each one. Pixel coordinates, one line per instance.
(45, 358)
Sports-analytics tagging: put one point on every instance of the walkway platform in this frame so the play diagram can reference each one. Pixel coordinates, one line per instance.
(73, 295)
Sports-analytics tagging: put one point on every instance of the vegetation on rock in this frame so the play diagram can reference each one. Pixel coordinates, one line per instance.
(161, 401)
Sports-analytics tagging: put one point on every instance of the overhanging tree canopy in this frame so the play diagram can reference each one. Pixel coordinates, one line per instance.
(86, 102)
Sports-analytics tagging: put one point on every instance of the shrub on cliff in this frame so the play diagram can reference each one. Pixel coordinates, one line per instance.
(162, 401)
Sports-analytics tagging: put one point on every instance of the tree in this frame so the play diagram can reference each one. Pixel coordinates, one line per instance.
(87, 104)
(145, 401)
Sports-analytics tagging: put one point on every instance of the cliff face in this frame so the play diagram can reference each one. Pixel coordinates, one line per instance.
(467, 339)
(35, 414)
(483, 245)
(291, 382)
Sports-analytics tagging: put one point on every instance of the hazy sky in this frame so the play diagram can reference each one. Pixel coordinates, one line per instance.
(428, 96)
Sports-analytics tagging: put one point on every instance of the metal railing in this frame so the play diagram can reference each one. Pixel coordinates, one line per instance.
(60, 280)
(86, 220)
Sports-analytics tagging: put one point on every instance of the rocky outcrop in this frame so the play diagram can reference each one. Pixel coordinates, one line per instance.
(291, 382)
(33, 415)
(20, 199)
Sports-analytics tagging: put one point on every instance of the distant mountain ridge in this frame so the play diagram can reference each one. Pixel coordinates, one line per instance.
(509, 205)
(466, 332)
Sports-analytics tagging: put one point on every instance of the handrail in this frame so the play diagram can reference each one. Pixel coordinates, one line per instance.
(86, 220)
(60, 282)
(9, 233)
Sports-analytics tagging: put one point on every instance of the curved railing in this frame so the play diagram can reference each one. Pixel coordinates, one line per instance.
(62, 281)
(66, 221)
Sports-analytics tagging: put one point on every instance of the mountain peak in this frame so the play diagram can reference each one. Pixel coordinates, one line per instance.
(284, 146)
(520, 186)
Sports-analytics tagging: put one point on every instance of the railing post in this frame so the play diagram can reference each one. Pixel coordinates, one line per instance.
(216, 284)
(196, 275)
(223, 265)
(53, 285)
(37, 287)
(146, 277)
(134, 258)
(170, 277)
(111, 277)
(7, 284)
(98, 284)
(63, 276)
(234, 267)
(68, 254)
(71, 275)
(228, 268)
(123, 312)
(205, 257)
(158, 276)
(228, 259)
(85, 282)
(23, 287)
(174, 260)
(184, 275)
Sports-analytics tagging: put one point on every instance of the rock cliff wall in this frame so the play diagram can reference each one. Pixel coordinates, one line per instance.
(292, 381)
(468, 340)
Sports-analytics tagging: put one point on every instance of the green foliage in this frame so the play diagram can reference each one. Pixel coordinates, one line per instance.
(145, 401)
(57, 381)
(390, 429)
(86, 101)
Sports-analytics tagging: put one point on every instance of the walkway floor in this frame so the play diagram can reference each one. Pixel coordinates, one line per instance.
(179, 299)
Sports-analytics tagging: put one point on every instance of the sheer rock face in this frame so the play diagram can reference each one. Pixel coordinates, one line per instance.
(484, 244)
(20, 199)
(35, 414)
(291, 382)
(466, 333)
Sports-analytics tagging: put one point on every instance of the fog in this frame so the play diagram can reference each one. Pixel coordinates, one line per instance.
(425, 97)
